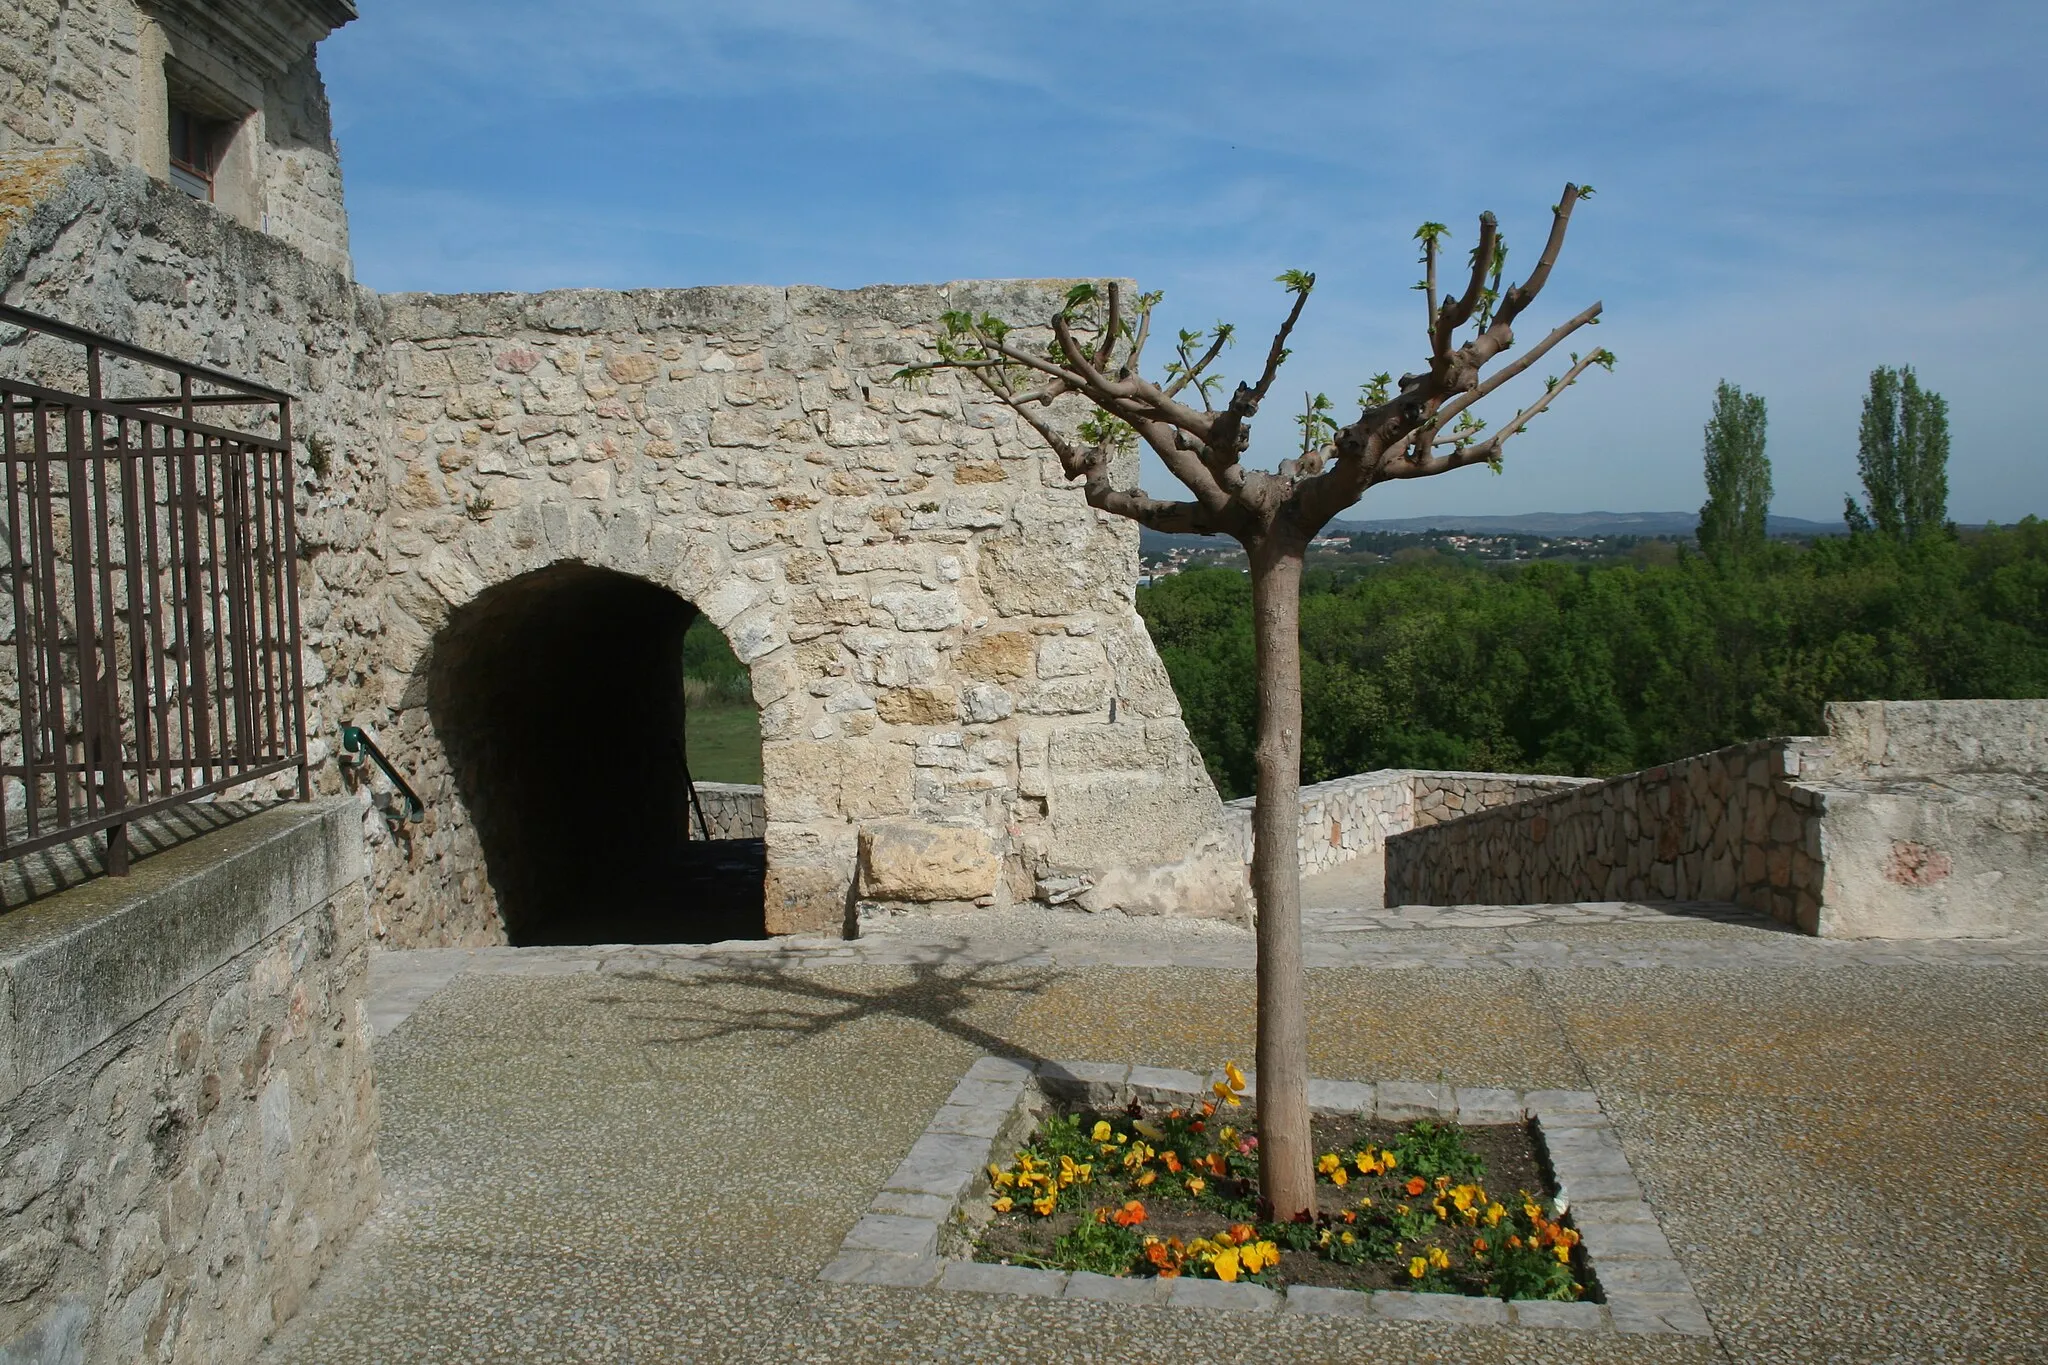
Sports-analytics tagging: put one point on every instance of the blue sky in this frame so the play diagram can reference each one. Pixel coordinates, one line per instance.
(1788, 193)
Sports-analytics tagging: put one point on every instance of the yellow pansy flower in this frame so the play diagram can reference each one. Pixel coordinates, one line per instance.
(1225, 1264)
(1233, 1075)
(1005, 1204)
(1417, 1268)
(1102, 1130)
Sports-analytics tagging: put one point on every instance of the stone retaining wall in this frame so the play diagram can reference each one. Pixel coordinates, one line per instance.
(188, 1121)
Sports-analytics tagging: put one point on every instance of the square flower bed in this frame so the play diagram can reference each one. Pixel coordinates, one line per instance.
(1171, 1189)
(1539, 1167)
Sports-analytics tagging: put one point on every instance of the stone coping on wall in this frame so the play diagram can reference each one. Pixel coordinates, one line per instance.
(78, 966)
(919, 1230)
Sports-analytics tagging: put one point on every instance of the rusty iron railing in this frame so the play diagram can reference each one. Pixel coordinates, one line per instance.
(151, 656)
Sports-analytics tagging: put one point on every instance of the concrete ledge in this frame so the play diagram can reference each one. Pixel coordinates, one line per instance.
(79, 966)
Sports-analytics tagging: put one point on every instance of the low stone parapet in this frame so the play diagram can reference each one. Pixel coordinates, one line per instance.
(1907, 820)
(185, 1089)
(732, 810)
(1351, 817)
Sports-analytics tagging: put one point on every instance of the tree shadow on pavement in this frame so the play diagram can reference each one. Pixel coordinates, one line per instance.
(937, 995)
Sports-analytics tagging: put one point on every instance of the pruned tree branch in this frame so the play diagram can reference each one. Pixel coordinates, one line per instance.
(1489, 450)
(1421, 425)
(1454, 315)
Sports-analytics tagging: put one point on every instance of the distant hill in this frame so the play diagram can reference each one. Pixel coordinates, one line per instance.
(1582, 524)
(1552, 524)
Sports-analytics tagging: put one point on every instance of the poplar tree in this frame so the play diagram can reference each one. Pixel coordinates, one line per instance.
(1902, 454)
(1418, 426)
(1733, 520)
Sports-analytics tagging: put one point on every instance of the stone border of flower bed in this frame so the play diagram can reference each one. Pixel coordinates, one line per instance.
(922, 1215)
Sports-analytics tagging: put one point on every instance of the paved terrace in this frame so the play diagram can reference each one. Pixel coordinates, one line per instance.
(646, 1154)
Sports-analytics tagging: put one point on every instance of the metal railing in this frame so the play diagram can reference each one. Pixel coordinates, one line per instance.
(151, 656)
(358, 747)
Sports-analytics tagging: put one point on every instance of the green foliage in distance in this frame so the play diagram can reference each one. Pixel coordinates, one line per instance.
(1606, 668)
(711, 671)
(1732, 521)
(1902, 454)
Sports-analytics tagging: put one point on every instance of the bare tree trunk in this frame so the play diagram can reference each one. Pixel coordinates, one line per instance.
(1286, 1153)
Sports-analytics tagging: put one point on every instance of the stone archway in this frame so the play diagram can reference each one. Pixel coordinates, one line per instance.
(557, 696)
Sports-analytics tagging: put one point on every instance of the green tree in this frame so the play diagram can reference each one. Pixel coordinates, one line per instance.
(1902, 454)
(1738, 476)
(1420, 426)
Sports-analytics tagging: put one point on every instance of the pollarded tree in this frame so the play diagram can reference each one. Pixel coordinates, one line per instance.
(1421, 426)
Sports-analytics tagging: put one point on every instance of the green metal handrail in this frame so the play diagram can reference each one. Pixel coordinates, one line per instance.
(355, 740)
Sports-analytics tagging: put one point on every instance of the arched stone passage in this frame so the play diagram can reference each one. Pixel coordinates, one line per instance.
(558, 699)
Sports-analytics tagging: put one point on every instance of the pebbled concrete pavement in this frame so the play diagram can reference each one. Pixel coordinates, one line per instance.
(646, 1154)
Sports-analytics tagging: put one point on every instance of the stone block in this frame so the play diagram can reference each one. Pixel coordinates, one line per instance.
(1548, 1102)
(1088, 1082)
(1662, 1314)
(1084, 1284)
(1315, 1301)
(1590, 1213)
(1610, 1241)
(1400, 1101)
(907, 861)
(918, 706)
(982, 1121)
(1000, 1070)
(980, 1278)
(1646, 1276)
(975, 1092)
(881, 1267)
(1230, 1298)
(939, 1163)
(1480, 1104)
(999, 656)
(903, 1203)
(1168, 1085)
(1342, 1097)
(894, 1235)
(1572, 1317)
(803, 900)
(1576, 1188)
(1458, 1309)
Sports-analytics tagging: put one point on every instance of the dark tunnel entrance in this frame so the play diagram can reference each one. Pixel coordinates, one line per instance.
(558, 697)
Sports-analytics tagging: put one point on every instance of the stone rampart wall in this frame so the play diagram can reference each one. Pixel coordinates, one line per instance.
(188, 1111)
(733, 810)
(1352, 817)
(939, 630)
(1723, 827)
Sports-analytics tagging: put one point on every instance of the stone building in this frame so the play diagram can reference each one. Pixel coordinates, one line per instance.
(511, 506)
(221, 98)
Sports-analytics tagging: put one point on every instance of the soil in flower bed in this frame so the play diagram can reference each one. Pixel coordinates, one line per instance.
(1152, 1190)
